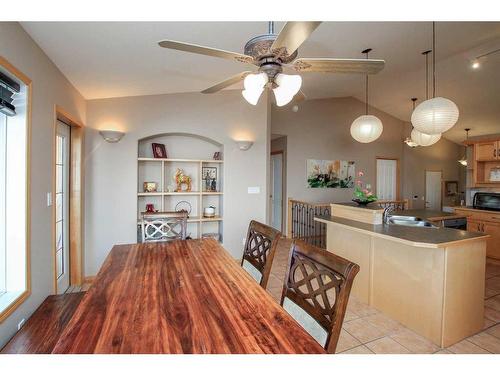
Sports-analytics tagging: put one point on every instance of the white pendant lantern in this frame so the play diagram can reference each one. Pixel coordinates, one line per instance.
(435, 116)
(423, 139)
(438, 114)
(366, 128)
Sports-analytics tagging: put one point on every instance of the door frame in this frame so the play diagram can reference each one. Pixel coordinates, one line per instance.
(425, 185)
(76, 186)
(398, 174)
(282, 186)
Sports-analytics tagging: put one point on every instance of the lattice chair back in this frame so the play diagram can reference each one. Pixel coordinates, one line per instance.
(316, 291)
(258, 254)
(164, 226)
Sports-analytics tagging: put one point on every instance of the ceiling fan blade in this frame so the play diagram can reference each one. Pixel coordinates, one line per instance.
(226, 83)
(207, 51)
(327, 65)
(292, 36)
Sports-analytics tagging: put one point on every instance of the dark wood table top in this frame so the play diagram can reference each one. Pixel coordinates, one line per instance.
(179, 297)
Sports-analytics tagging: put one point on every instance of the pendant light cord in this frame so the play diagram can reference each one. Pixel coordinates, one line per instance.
(433, 59)
(426, 76)
(366, 94)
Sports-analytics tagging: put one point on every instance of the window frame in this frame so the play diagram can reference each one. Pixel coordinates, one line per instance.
(19, 299)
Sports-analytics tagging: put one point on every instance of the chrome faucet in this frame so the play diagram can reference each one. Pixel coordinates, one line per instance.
(387, 214)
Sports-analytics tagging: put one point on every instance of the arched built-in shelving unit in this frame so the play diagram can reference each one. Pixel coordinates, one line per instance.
(191, 153)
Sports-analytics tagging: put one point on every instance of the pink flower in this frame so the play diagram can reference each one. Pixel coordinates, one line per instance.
(358, 182)
(360, 174)
(365, 191)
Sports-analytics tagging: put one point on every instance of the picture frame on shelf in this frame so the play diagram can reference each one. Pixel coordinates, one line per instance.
(159, 151)
(150, 187)
(209, 176)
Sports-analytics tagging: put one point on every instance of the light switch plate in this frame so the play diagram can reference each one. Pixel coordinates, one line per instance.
(254, 190)
(49, 199)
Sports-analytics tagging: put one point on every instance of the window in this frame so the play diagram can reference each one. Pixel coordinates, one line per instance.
(14, 204)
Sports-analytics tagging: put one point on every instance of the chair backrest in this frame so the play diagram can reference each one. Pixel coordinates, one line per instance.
(319, 282)
(164, 226)
(260, 247)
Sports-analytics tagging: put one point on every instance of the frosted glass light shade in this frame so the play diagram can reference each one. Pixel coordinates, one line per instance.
(288, 87)
(435, 116)
(366, 128)
(423, 139)
(254, 86)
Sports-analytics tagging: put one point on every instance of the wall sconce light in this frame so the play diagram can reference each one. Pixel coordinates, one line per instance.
(244, 145)
(111, 136)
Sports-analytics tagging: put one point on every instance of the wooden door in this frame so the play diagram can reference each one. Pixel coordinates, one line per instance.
(486, 150)
(493, 246)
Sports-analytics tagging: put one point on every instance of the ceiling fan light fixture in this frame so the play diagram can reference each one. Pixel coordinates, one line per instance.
(252, 96)
(423, 139)
(254, 86)
(288, 87)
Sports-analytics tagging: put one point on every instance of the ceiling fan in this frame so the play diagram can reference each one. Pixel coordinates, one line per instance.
(272, 54)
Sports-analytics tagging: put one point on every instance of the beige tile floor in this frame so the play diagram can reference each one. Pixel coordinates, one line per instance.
(366, 330)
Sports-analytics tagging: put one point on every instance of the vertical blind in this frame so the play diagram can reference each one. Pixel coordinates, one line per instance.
(386, 179)
(8, 88)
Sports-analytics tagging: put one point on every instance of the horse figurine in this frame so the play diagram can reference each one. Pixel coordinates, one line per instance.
(181, 179)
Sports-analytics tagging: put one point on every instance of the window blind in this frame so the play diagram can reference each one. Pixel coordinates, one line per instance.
(8, 88)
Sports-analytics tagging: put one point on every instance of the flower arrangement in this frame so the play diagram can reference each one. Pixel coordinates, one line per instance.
(363, 195)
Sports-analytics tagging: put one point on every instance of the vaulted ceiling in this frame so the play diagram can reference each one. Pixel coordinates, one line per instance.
(113, 59)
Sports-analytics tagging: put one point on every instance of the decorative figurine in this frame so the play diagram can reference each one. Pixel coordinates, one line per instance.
(150, 207)
(213, 186)
(150, 187)
(181, 179)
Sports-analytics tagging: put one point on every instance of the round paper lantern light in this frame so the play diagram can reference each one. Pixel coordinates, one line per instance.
(435, 116)
(366, 128)
(423, 139)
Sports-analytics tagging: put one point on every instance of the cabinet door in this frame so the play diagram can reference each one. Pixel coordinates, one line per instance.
(473, 225)
(486, 150)
(493, 246)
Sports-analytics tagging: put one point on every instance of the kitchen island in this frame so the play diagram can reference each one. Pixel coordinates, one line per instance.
(431, 279)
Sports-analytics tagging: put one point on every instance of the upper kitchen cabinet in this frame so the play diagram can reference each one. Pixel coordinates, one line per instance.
(486, 151)
(486, 163)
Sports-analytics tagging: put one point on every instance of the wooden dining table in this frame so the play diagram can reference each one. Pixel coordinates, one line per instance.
(179, 297)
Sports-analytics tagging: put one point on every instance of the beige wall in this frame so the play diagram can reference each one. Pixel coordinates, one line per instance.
(111, 168)
(321, 130)
(50, 87)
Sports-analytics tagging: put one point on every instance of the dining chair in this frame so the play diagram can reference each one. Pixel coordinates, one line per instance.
(258, 253)
(163, 226)
(316, 291)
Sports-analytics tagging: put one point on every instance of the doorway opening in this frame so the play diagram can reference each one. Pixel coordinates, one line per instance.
(433, 190)
(277, 195)
(67, 201)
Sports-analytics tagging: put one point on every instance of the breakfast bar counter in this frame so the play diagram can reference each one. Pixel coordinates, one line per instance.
(431, 279)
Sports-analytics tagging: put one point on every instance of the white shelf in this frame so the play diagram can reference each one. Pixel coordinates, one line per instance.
(159, 193)
(197, 219)
(182, 160)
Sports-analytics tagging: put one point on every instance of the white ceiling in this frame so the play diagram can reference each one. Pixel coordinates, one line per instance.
(113, 59)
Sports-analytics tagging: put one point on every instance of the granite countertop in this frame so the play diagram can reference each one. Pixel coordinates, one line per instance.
(470, 208)
(430, 215)
(415, 236)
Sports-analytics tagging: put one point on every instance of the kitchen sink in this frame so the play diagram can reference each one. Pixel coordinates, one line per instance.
(410, 221)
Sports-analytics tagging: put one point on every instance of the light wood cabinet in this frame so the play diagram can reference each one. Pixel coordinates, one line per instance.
(484, 222)
(486, 151)
(493, 245)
